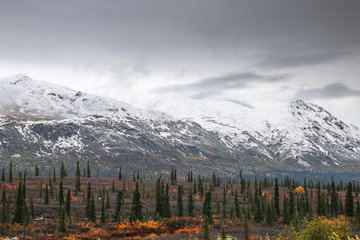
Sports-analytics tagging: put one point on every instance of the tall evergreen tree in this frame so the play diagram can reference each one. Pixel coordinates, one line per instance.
(46, 200)
(136, 207)
(88, 173)
(78, 175)
(61, 193)
(349, 201)
(276, 197)
(190, 205)
(11, 172)
(37, 171)
(180, 208)
(207, 213)
(68, 203)
(237, 206)
(246, 228)
(62, 171)
(102, 216)
(19, 205)
(88, 201)
(334, 200)
(268, 216)
(117, 213)
(166, 208)
(62, 226)
(286, 214)
(159, 199)
(120, 173)
(92, 214)
(54, 175)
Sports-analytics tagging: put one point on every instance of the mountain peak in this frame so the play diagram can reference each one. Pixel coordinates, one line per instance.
(14, 79)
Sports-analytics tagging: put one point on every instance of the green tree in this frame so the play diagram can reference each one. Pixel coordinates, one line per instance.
(11, 172)
(88, 173)
(349, 201)
(102, 218)
(46, 200)
(37, 171)
(136, 207)
(207, 213)
(334, 200)
(118, 206)
(61, 193)
(88, 201)
(246, 232)
(180, 208)
(78, 175)
(68, 203)
(276, 197)
(19, 205)
(62, 226)
(190, 205)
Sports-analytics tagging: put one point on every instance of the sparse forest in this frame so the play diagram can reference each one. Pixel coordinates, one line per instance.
(165, 206)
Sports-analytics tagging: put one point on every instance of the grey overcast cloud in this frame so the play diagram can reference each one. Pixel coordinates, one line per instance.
(256, 53)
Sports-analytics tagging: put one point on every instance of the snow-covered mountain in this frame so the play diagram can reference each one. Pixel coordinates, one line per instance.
(288, 131)
(44, 123)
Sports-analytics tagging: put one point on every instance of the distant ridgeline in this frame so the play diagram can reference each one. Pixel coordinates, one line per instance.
(45, 124)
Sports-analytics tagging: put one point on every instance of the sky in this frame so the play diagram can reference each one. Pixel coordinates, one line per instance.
(256, 53)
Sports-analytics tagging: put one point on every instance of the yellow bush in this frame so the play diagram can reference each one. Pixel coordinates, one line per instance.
(320, 229)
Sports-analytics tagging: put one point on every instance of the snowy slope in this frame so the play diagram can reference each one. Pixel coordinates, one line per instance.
(53, 122)
(287, 131)
(23, 96)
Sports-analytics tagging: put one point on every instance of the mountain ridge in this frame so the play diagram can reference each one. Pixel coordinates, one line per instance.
(54, 122)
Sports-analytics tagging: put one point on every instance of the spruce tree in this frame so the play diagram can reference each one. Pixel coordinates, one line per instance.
(78, 175)
(291, 205)
(334, 198)
(92, 216)
(19, 205)
(136, 207)
(166, 209)
(54, 175)
(207, 213)
(62, 171)
(120, 174)
(180, 208)
(206, 234)
(286, 214)
(237, 206)
(246, 228)
(268, 216)
(159, 199)
(118, 206)
(88, 173)
(68, 203)
(102, 218)
(349, 201)
(190, 206)
(37, 171)
(61, 193)
(11, 172)
(46, 200)
(88, 201)
(62, 220)
(276, 197)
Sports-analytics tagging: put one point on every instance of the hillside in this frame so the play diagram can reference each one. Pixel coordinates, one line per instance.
(44, 123)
